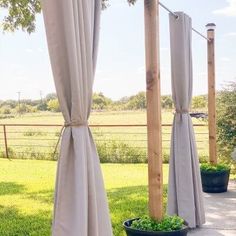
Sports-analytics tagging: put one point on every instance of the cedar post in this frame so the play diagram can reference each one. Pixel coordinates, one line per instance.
(155, 182)
(211, 93)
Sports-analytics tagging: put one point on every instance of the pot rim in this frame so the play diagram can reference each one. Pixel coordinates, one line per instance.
(215, 172)
(185, 227)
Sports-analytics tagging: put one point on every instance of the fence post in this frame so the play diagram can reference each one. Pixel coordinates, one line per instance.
(211, 92)
(5, 140)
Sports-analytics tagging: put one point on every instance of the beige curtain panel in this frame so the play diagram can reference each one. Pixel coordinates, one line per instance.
(72, 29)
(184, 189)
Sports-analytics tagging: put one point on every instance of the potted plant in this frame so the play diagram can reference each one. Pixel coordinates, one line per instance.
(215, 177)
(145, 226)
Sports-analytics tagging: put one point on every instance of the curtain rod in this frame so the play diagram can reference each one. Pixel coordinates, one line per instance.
(176, 16)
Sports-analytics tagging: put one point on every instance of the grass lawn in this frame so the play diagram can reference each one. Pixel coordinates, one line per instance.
(26, 195)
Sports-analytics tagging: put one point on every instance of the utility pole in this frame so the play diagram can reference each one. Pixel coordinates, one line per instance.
(19, 93)
(41, 96)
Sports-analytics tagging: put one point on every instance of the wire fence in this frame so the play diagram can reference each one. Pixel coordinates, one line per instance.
(115, 143)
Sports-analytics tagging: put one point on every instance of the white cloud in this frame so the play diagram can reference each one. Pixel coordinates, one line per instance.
(29, 50)
(230, 34)
(229, 10)
(119, 4)
(99, 72)
(164, 49)
(141, 70)
(202, 74)
(40, 49)
(225, 59)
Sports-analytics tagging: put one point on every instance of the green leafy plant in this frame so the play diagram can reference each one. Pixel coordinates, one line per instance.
(226, 123)
(207, 167)
(21, 14)
(116, 151)
(168, 223)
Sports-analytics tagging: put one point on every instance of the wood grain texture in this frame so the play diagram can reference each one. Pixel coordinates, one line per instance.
(211, 97)
(155, 181)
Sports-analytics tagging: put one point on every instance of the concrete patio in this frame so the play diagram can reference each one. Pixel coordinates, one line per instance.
(220, 214)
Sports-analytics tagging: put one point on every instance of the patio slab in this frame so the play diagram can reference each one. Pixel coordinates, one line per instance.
(220, 214)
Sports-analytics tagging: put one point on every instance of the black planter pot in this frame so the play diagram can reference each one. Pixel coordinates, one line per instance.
(215, 182)
(136, 232)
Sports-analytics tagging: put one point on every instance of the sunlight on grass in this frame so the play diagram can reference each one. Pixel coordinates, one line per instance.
(26, 195)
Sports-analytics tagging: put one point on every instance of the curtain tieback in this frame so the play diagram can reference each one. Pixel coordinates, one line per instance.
(75, 124)
(68, 124)
(181, 111)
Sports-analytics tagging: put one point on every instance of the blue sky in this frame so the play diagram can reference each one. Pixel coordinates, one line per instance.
(25, 66)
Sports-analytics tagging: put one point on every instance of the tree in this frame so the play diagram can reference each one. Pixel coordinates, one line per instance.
(166, 101)
(100, 102)
(226, 120)
(42, 106)
(21, 14)
(5, 110)
(199, 102)
(11, 103)
(137, 102)
(51, 96)
(24, 108)
(53, 105)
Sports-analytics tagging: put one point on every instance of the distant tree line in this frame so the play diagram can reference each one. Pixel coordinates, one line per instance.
(49, 103)
(99, 103)
(138, 102)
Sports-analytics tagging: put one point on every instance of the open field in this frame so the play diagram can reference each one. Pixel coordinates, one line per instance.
(26, 195)
(39, 142)
(103, 117)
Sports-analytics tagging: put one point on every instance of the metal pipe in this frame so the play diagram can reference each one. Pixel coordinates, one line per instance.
(176, 16)
(201, 34)
(167, 9)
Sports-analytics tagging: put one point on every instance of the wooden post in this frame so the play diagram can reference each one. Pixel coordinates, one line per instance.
(211, 93)
(5, 140)
(155, 182)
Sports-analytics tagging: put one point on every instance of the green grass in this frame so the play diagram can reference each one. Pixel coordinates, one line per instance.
(104, 117)
(26, 195)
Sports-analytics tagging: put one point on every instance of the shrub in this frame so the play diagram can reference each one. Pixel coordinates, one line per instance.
(168, 223)
(137, 101)
(207, 167)
(166, 102)
(120, 152)
(11, 153)
(42, 106)
(53, 105)
(5, 110)
(23, 108)
(100, 102)
(226, 122)
(199, 102)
